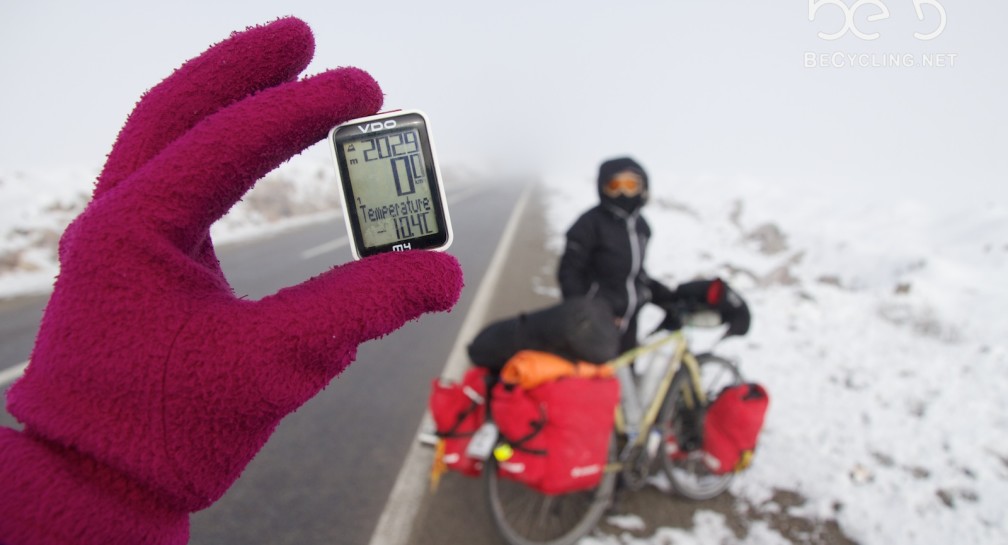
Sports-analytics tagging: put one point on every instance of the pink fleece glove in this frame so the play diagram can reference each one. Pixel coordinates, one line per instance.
(151, 385)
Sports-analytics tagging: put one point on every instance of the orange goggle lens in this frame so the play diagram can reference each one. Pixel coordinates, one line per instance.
(630, 185)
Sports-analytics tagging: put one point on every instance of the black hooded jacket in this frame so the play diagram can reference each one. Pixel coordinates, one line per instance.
(605, 251)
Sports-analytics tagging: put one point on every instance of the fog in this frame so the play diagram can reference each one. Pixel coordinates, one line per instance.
(692, 89)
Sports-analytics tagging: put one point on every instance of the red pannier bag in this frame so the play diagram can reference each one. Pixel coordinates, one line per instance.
(731, 427)
(557, 434)
(458, 410)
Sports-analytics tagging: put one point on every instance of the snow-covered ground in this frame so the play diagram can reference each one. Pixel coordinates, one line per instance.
(36, 206)
(878, 329)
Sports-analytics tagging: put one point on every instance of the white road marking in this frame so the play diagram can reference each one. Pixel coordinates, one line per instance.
(11, 374)
(325, 248)
(396, 521)
(463, 194)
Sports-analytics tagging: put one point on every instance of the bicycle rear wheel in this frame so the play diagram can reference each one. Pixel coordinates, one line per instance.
(681, 424)
(525, 516)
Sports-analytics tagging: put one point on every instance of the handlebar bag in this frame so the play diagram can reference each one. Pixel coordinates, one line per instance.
(458, 410)
(555, 437)
(717, 296)
(732, 426)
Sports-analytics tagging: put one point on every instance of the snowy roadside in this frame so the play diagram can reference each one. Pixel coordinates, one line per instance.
(879, 332)
(35, 208)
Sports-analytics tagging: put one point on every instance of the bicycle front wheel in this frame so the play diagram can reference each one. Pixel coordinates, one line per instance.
(525, 516)
(681, 424)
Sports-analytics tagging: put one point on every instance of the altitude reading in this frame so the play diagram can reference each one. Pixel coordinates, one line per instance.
(391, 186)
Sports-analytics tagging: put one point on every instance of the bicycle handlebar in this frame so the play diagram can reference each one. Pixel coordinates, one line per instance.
(731, 309)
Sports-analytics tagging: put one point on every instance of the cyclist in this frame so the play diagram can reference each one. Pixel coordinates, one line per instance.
(605, 249)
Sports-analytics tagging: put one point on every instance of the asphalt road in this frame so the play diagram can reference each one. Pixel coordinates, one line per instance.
(19, 320)
(326, 473)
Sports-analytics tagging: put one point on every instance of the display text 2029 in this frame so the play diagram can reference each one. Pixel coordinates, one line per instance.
(403, 152)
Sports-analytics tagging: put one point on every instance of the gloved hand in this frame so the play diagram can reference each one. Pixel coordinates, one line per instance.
(151, 385)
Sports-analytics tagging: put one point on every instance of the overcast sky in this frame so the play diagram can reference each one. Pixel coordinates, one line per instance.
(691, 88)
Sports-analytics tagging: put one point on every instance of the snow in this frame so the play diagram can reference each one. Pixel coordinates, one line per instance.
(878, 331)
(708, 528)
(36, 206)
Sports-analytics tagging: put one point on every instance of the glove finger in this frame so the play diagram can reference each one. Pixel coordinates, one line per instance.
(334, 312)
(258, 58)
(200, 176)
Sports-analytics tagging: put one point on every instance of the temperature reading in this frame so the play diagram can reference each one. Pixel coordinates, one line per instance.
(412, 226)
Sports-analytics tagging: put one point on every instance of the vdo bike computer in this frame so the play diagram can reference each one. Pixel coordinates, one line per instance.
(390, 184)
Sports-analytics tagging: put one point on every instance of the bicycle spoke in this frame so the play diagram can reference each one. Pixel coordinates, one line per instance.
(525, 516)
(546, 520)
(713, 387)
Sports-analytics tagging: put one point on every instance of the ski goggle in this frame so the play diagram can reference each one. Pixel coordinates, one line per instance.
(626, 183)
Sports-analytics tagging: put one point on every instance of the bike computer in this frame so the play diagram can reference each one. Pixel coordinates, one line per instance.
(390, 184)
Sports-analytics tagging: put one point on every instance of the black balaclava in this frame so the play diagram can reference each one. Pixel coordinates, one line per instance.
(608, 169)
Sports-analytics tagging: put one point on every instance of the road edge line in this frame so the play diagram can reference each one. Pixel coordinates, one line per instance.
(396, 521)
(12, 373)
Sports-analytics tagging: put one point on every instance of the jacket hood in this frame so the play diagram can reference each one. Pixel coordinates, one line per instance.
(610, 168)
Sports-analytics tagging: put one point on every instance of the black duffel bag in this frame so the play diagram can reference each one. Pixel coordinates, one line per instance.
(579, 329)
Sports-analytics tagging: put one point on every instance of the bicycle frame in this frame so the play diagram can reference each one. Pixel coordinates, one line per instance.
(652, 408)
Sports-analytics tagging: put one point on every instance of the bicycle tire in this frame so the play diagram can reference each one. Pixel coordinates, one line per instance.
(681, 428)
(524, 516)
